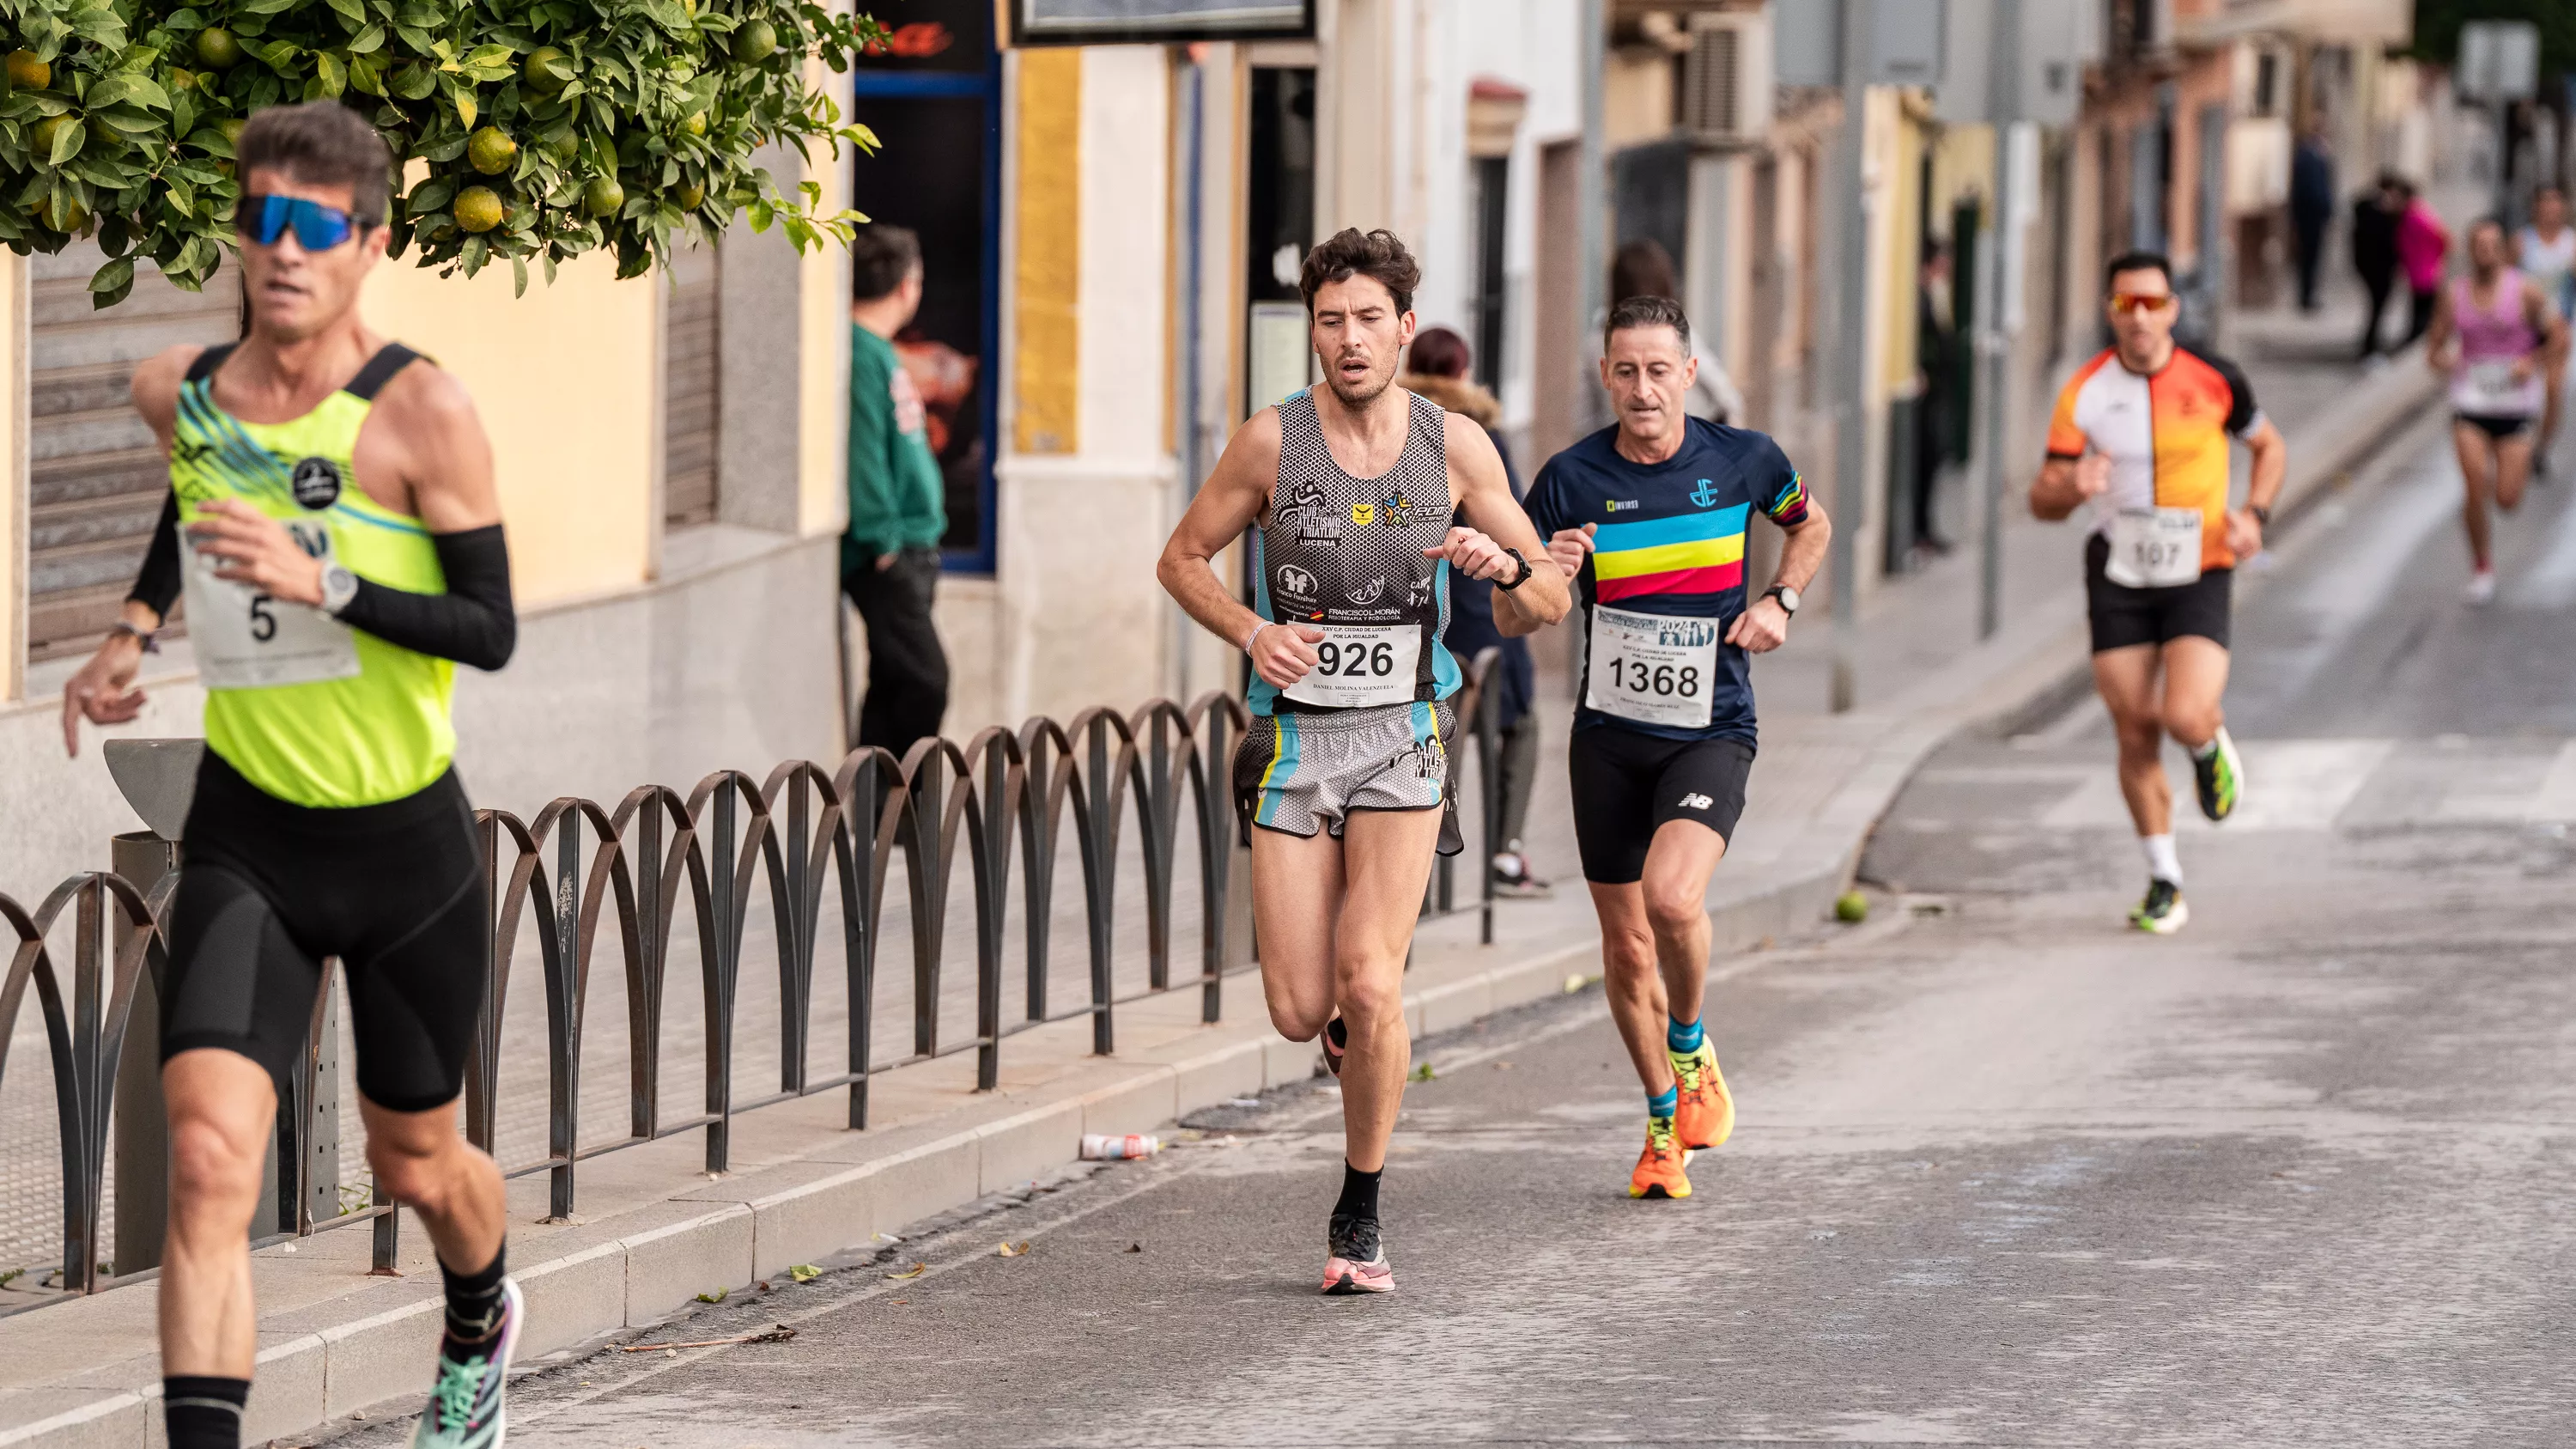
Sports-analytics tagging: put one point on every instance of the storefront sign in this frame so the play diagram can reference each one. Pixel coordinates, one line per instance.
(1109, 22)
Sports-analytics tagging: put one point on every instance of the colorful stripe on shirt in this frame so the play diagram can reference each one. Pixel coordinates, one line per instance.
(1791, 507)
(1691, 553)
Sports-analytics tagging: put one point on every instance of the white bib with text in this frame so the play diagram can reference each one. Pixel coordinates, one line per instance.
(2154, 548)
(1361, 664)
(1652, 668)
(245, 639)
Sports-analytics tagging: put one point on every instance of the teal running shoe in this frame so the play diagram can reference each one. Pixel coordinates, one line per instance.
(468, 1405)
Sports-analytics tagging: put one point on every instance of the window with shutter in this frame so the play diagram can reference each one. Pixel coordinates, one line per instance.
(689, 362)
(95, 476)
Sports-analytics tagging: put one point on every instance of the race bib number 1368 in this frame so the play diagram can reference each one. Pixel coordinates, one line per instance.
(1653, 668)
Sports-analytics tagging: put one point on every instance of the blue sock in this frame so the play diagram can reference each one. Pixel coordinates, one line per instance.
(1664, 1103)
(1683, 1037)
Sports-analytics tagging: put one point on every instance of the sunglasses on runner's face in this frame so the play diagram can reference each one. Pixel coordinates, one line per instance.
(2127, 302)
(318, 228)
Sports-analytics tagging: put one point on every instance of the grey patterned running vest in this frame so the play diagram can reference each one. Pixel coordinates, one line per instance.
(1344, 554)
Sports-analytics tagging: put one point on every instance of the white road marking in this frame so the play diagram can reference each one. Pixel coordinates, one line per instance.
(2289, 785)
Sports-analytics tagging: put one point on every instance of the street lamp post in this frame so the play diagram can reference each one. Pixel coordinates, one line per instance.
(1852, 311)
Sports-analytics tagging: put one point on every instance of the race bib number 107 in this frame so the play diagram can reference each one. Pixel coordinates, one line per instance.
(1653, 668)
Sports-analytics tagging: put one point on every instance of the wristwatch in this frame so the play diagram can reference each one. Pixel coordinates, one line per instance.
(2262, 515)
(339, 588)
(1787, 596)
(1521, 578)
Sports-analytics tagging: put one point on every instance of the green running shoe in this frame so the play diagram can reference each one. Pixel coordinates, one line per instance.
(2221, 777)
(2162, 913)
(467, 1406)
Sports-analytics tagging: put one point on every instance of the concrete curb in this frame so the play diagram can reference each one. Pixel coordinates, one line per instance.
(364, 1348)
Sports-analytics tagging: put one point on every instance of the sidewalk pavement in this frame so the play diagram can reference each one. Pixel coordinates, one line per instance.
(656, 1233)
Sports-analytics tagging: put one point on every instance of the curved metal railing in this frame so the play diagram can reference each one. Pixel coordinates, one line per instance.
(577, 866)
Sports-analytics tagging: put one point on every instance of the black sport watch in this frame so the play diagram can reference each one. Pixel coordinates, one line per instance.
(1521, 578)
(1787, 596)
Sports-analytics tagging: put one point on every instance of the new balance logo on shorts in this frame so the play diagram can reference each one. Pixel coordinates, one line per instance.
(1696, 802)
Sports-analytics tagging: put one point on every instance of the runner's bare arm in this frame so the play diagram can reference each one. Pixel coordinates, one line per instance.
(2064, 484)
(1495, 521)
(1228, 503)
(2541, 315)
(2437, 334)
(447, 457)
(1764, 625)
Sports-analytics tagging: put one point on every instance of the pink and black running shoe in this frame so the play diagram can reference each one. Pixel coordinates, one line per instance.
(1358, 1263)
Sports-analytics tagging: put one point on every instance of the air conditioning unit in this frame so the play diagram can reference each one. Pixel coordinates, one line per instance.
(1726, 78)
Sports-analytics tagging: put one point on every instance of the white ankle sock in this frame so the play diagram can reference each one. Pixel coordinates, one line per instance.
(2162, 862)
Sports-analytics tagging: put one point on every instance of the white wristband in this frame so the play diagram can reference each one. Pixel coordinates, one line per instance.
(1257, 626)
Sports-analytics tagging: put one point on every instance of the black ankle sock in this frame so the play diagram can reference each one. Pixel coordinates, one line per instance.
(203, 1412)
(1340, 1034)
(474, 1299)
(1359, 1193)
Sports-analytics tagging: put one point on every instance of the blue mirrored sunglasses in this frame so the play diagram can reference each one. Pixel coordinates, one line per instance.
(318, 228)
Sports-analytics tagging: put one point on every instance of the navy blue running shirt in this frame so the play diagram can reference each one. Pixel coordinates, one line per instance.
(1671, 543)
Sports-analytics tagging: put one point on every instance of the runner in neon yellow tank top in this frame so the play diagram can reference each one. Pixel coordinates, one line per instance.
(333, 525)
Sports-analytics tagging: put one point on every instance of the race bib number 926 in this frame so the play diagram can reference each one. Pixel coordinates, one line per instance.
(1359, 664)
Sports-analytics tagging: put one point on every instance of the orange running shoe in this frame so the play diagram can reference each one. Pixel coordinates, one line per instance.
(1659, 1167)
(1706, 1116)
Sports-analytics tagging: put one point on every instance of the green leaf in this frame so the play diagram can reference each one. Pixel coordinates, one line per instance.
(67, 143)
(117, 276)
(128, 120)
(350, 11)
(367, 41)
(211, 141)
(463, 96)
(329, 77)
(430, 196)
(414, 82)
(519, 275)
(128, 87)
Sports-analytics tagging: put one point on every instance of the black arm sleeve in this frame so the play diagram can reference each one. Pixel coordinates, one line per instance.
(157, 587)
(472, 623)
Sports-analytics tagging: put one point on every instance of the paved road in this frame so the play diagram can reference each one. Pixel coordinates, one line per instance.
(2006, 1174)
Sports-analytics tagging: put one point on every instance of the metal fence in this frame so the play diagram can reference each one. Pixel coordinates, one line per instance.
(577, 867)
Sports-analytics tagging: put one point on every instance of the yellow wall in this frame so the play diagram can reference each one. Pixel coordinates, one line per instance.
(564, 379)
(1046, 369)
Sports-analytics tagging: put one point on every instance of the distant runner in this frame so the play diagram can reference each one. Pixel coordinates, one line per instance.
(1650, 515)
(2497, 335)
(2141, 431)
(342, 546)
(1358, 496)
(2546, 252)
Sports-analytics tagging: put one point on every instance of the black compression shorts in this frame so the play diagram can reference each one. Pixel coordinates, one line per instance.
(1626, 785)
(2123, 616)
(2503, 427)
(397, 891)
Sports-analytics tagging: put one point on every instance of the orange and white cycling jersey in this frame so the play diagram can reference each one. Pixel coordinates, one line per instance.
(2166, 436)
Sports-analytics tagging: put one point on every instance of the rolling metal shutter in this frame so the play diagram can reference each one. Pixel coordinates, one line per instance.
(95, 476)
(689, 389)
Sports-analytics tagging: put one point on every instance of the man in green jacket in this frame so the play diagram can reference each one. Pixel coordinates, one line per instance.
(890, 556)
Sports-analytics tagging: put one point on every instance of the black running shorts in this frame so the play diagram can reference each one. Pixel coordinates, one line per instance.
(397, 891)
(2503, 427)
(1626, 785)
(2123, 616)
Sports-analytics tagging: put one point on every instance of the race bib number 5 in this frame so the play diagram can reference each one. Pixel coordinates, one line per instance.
(2154, 548)
(1361, 664)
(245, 639)
(1653, 668)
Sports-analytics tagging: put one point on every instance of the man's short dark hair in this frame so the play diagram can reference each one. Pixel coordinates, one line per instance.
(881, 256)
(1378, 255)
(1648, 312)
(2137, 262)
(321, 143)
